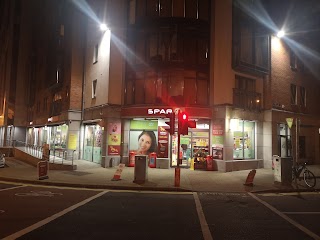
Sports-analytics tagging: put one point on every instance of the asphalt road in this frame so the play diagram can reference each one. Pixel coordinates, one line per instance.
(35, 212)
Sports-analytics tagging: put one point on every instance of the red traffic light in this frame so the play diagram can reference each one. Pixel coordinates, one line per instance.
(183, 123)
(184, 116)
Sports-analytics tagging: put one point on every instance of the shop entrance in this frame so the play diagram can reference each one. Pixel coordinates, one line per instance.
(195, 142)
(93, 143)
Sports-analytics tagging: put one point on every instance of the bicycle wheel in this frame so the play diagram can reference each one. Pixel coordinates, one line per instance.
(309, 178)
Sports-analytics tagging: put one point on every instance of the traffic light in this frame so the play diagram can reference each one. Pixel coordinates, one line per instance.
(171, 122)
(183, 123)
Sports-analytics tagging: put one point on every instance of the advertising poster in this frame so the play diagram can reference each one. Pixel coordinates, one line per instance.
(143, 137)
(163, 139)
(217, 141)
(114, 138)
(72, 142)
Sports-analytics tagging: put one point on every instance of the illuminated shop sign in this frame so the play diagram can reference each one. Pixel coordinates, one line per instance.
(153, 111)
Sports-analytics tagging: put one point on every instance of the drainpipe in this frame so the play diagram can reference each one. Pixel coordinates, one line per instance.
(84, 53)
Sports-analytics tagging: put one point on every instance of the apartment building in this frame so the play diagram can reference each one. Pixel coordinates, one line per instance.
(95, 92)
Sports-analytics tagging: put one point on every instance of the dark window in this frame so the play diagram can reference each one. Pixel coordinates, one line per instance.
(303, 102)
(251, 42)
(293, 94)
(295, 63)
(245, 95)
(165, 8)
(153, 8)
(95, 53)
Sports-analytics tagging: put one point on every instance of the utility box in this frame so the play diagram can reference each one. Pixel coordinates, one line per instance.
(141, 169)
(282, 169)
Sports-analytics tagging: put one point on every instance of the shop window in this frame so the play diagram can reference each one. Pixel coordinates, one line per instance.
(284, 140)
(243, 139)
(303, 97)
(293, 91)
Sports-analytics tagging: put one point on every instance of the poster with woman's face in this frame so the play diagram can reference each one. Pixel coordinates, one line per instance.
(143, 142)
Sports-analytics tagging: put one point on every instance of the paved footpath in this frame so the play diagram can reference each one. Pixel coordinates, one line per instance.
(92, 175)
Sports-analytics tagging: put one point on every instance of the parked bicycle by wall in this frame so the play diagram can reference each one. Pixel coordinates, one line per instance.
(300, 171)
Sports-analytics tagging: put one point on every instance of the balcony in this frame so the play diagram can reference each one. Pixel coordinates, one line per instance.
(246, 100)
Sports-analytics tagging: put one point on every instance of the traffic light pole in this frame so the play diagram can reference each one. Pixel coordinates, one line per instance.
(177, 170)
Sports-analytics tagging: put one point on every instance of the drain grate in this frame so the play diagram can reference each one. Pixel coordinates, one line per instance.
(77, 173)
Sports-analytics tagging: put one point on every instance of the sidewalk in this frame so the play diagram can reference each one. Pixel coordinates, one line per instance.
(91, 175)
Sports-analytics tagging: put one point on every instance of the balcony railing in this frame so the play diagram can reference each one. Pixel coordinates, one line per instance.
(246, 100)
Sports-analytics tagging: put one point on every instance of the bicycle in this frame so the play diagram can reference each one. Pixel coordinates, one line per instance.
(308, 176)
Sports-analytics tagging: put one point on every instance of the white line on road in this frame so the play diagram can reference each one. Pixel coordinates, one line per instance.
(204, 225)
(53, 217)
(294, 223)
(5, 189)
(301, 213)
(288, 194)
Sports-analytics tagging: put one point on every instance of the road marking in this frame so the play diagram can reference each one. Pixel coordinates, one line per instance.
(204, 225)
(38, 194)
(287, 194)
(302, 213)
(5, 189)
(285, 217)
(53, 217)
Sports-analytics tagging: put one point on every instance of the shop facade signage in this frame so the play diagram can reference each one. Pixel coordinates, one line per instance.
(153, 111)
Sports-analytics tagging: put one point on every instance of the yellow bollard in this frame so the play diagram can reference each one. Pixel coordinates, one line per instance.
(192, 164)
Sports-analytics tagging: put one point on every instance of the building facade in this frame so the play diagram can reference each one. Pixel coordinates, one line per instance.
(94, 92)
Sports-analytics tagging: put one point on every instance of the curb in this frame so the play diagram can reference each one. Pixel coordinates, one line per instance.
(96, 186)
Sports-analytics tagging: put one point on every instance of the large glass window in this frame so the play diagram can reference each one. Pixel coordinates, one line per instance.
(180, 87)
(243, 139)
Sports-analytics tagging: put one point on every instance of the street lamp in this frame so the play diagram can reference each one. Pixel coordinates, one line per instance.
(280, 34)
(103, 27)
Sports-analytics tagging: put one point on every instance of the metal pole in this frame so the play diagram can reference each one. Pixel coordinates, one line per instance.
(297, 141)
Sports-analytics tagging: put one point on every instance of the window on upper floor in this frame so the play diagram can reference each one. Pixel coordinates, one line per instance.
(167, 87)
(45, 104)
(293, 91)
(95, 53)
(196, 9)
(94, 88)
(250, 41)
(245, 95)
(38, 107)
(295, 63)
(303, 96)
